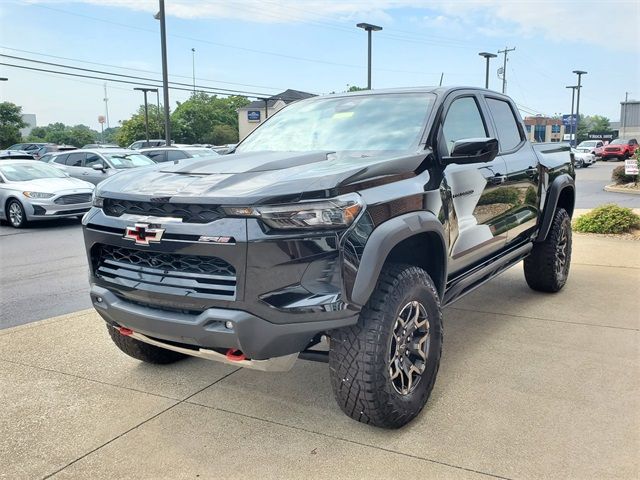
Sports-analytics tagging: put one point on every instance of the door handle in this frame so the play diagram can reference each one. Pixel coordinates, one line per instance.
(531, 171)
(497, 179)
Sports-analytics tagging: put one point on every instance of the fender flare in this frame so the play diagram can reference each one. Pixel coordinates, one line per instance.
(559, 184)
(383, 239)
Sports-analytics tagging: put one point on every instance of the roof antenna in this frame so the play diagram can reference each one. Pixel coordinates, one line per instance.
(441, 77)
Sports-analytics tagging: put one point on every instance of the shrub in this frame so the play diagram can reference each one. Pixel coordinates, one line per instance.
(619, 177)
(607, 219)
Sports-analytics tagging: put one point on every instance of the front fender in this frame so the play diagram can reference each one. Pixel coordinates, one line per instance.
(383, 239)
(559, 184)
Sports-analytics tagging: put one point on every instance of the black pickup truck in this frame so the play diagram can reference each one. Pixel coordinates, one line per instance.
(337, 231)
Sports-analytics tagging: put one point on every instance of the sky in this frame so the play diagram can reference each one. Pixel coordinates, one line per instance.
(266, 46)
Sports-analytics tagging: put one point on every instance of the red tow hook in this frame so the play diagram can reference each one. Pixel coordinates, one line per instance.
(235, 355)
(125, 331)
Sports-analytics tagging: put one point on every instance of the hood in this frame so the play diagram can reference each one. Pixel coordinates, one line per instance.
(259, 177)
(52, 185)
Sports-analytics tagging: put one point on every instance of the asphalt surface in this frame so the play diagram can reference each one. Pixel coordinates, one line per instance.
(43, 268)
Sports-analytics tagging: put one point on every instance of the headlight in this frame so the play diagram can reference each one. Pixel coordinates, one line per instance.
(98, 201)
(336, 212)
(37, 194)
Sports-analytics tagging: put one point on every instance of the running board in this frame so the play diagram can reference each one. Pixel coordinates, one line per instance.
(460, 286)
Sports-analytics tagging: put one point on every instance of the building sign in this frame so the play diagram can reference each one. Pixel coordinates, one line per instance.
(602, 136)
(631, 166)
(253, 115)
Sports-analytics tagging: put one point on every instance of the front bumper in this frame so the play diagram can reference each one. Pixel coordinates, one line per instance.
(214, 329)
(42, 209)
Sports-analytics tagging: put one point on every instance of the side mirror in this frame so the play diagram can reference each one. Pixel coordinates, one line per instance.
(99, 166)
(473, 150)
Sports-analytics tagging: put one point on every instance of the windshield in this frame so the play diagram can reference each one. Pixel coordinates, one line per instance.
(371, 122)
(618, 141)
(19, 172)
(587, 144)
(128, 160)
(205, 152)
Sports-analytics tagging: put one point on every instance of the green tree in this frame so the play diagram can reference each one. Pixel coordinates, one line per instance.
(134, 128)
(355, 88)
(77, 135)
(10, 124)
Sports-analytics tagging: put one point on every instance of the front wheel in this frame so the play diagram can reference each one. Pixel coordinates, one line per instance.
(384, 368)
(546, 269)
(15, 214)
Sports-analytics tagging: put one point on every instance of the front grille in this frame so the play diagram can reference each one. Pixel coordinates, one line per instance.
(188, 212)
(71, 199)
(190, 276)
(612, 149)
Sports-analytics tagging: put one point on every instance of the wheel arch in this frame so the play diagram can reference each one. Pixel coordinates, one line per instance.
(5, 206)
(561, 194)
(415, 238)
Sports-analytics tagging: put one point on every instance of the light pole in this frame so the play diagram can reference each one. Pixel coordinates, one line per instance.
(579, 86)
(165, 74)
(623, 114)
(158, 114)
(369, 28)
(193, 62)
(146, 108)
(488, 56)
(572, 130)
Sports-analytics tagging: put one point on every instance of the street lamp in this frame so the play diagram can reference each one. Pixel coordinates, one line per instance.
(165, 74)
(572, 130)
(146, 109)
(193, 62)
(579, 86)
(369, 28)
(488, 56)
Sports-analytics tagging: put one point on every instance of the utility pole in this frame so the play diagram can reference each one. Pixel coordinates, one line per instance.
(369, 28)
(106, 104)
(193, 61)
(504, 67)
(579, 86)
(165, 74)
(572, 124)
(623, 112)
(158, 114)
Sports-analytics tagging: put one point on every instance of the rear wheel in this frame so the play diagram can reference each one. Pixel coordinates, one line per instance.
(546, 269)
(384, 368)
(143, 351)
(15, 214)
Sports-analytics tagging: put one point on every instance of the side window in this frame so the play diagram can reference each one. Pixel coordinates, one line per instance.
(75, 159)
(506, 124)
(157, 156)
(175, 155)
(61, 159)
(463, 121)
(92, 159)
(599, 144)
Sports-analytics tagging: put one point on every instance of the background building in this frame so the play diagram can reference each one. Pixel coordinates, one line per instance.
(544, 129)
(630, 119)
(256, 112)
(30, 120)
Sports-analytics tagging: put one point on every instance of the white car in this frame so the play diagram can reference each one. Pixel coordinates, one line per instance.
(583, 159)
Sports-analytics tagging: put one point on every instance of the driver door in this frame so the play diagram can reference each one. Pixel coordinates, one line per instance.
(476, 189)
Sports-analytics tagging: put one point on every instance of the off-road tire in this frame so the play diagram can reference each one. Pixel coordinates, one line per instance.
(543, 269)
(143, 351)
(359, 356)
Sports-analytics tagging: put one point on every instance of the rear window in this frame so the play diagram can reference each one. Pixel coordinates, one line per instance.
(506, 124)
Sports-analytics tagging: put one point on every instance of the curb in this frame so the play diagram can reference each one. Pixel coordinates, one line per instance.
(614, 189)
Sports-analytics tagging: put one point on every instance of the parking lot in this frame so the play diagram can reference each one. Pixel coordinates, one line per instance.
(528, 387)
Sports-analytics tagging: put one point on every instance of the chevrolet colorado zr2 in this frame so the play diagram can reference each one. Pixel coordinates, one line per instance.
(344, 222)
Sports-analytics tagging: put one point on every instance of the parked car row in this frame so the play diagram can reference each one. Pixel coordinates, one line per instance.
(618, 149)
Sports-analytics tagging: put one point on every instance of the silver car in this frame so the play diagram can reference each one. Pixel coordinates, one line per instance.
(36, 191)
(95, 165)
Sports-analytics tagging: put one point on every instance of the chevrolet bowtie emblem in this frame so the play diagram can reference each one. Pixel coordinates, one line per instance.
(143, 233)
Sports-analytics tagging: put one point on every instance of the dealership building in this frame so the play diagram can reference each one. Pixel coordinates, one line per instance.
(258, 111)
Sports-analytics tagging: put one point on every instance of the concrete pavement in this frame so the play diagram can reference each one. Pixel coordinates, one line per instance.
(530, 386)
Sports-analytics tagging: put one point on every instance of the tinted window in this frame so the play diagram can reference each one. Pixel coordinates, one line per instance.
(506, 124)
(75, 159)
(175, 155)
(92, 159)
(463, 121)
(46, 158)
(157, 156)
(61, 159)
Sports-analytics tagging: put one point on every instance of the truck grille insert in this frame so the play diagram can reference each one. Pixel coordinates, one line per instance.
(186, 276)
(71, 199)
(188, 212)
